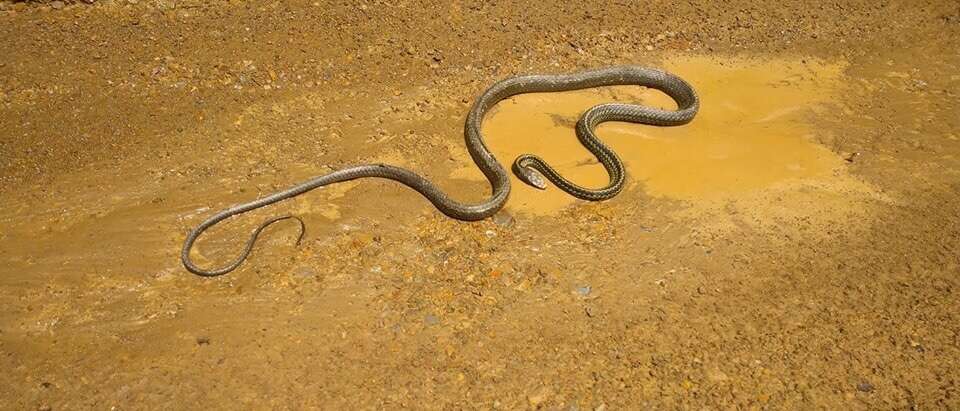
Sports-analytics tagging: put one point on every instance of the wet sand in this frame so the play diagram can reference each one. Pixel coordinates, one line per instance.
(795, 246)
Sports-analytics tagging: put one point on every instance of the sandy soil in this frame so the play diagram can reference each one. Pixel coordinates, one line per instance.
(796, 246)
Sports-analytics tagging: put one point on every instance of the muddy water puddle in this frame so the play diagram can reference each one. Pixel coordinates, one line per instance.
(755, 129)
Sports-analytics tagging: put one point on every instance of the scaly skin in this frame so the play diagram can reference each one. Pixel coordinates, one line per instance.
(526, 166)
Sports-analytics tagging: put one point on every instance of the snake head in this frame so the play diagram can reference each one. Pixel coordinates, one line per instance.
(528, 174)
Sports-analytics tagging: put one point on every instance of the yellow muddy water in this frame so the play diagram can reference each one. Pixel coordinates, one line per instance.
(755, 129)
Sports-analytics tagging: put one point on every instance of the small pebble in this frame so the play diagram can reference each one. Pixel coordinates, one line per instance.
(865, 387)
(203, 340)
(503, 219)
(584, 291)
(431, 319)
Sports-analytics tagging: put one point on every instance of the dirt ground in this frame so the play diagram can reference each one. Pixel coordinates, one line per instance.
(797, 246)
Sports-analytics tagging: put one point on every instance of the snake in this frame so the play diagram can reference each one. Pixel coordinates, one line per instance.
(528, 168)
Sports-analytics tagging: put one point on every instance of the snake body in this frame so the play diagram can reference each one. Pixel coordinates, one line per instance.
(529, 168)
